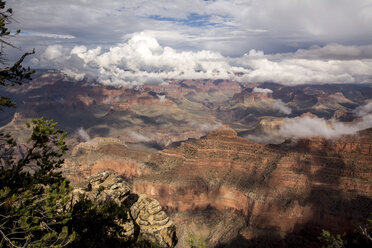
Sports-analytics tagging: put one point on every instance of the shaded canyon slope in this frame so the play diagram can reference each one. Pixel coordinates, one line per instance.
(156, 116)
(236, 192)
(181, 143)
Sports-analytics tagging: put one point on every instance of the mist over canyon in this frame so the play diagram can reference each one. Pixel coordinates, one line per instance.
(240, 163)
(238, 123)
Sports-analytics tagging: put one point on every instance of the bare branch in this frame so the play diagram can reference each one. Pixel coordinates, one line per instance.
(8, 241)
(365, 233)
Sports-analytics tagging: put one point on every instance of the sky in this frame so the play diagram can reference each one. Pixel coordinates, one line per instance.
(126, 43)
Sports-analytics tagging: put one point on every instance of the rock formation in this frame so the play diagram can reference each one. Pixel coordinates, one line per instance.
(145, 214)
(289, 191)
(290, 188)
(284, 190)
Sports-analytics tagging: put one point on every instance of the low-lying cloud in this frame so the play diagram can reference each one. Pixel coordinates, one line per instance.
(308, 126)
(161, 98)
(139, 137)
(281, 107)
(83, 134)
(302, 127)
(262, 90)
(363, 110)
(142, 60)
(204, 127)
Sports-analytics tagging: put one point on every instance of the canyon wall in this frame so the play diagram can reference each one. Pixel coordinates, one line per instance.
(289, 191)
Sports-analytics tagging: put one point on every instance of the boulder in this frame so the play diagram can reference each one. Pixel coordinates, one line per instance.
(146, 216)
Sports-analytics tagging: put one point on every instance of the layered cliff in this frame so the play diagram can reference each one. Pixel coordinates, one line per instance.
(289, 191)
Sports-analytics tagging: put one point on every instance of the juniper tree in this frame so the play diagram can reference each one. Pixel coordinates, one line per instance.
(36, 204)
(35, 199)
(14, 74)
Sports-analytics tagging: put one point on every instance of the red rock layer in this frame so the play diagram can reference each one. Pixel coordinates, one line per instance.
(289, 187)
(281, 189)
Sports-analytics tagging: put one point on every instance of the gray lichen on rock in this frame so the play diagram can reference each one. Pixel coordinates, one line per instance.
(145, 214)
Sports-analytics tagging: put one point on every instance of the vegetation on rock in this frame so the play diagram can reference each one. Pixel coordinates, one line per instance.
(195, 242)
(361, 237)
(16, 73)
(37, 208)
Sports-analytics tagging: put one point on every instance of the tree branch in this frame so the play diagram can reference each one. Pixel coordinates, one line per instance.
(18, 63)
(8, 241)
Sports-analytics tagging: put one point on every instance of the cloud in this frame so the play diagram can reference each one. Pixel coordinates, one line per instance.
(139, 60)
(52, 53)
(83, 134)
(230, 27)
(161, 98)
(363, 110)
(139, 137)
(302, 127)
(204, 127)
(335, 51)
(262, 90)
(264, 138)
(289, 70)
(281, 107)
(142, 60)
(49, 35)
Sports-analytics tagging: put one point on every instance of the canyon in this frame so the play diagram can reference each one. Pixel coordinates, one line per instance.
(289, 192)
(212, 154)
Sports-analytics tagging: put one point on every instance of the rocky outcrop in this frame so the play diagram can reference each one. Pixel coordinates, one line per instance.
(281, 190)
(100, 154)
(290, 188)
(146, 215)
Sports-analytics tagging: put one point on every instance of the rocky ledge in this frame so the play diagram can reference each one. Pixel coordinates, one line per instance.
(145, 214)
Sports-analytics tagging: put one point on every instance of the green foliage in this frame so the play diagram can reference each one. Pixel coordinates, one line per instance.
(330, 241)
(358, 238)
(36, 205)
(98, 224)
(195, 242)
(101, 188)
(35, 201)
(16, 73)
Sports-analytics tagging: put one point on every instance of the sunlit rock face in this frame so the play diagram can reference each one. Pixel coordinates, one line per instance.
(277, 192)
(170, 141)
(145, 213)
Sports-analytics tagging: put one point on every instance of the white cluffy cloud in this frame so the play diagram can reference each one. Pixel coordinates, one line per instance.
(142, 60)
(138, 61)
(309, 66)
(281, 107)
(262, 90)
(307, 126)
(313, 126)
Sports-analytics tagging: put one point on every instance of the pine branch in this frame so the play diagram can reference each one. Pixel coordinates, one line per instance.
(18, 63)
